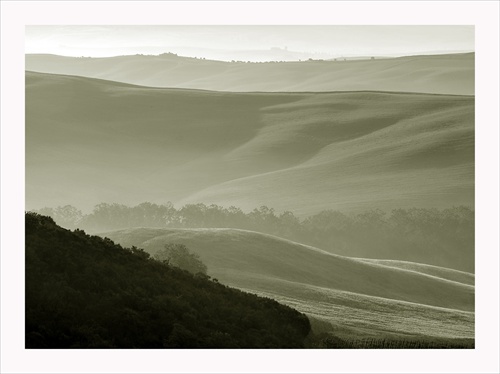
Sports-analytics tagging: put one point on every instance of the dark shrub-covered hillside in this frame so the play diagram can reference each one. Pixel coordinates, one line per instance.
(86, 291)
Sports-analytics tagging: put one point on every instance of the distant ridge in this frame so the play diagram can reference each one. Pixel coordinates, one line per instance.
(445, 73)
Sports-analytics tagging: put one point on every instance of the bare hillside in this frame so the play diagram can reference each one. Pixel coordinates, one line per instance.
(89, 141)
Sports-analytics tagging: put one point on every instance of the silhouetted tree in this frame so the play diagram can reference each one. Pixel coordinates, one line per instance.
(178, 255)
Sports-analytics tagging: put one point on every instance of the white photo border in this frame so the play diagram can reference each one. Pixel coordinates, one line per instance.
(15, 15)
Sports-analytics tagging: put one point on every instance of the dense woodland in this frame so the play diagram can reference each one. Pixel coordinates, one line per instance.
(85, 291)
(437, 237)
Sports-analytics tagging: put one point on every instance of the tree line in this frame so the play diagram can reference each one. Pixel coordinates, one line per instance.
(438, 237)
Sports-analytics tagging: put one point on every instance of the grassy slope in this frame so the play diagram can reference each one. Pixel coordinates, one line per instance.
(359, 148)
(89, 141)
(356, 296)
(451, 74)
(437, 271)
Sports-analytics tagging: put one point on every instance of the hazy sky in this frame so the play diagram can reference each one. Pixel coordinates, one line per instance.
(198, 41)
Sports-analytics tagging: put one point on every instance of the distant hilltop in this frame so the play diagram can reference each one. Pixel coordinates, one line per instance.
(437, 74)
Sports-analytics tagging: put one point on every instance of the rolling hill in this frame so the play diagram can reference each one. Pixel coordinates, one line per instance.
(356, 297)
(437, 271)
(89, 141)
(443, 74)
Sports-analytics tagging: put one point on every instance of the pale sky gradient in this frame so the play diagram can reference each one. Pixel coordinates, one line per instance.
(208, 41)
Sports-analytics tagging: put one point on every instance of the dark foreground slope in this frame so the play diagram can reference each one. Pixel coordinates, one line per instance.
(444, 74)
(89, 141)
(85, 291)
